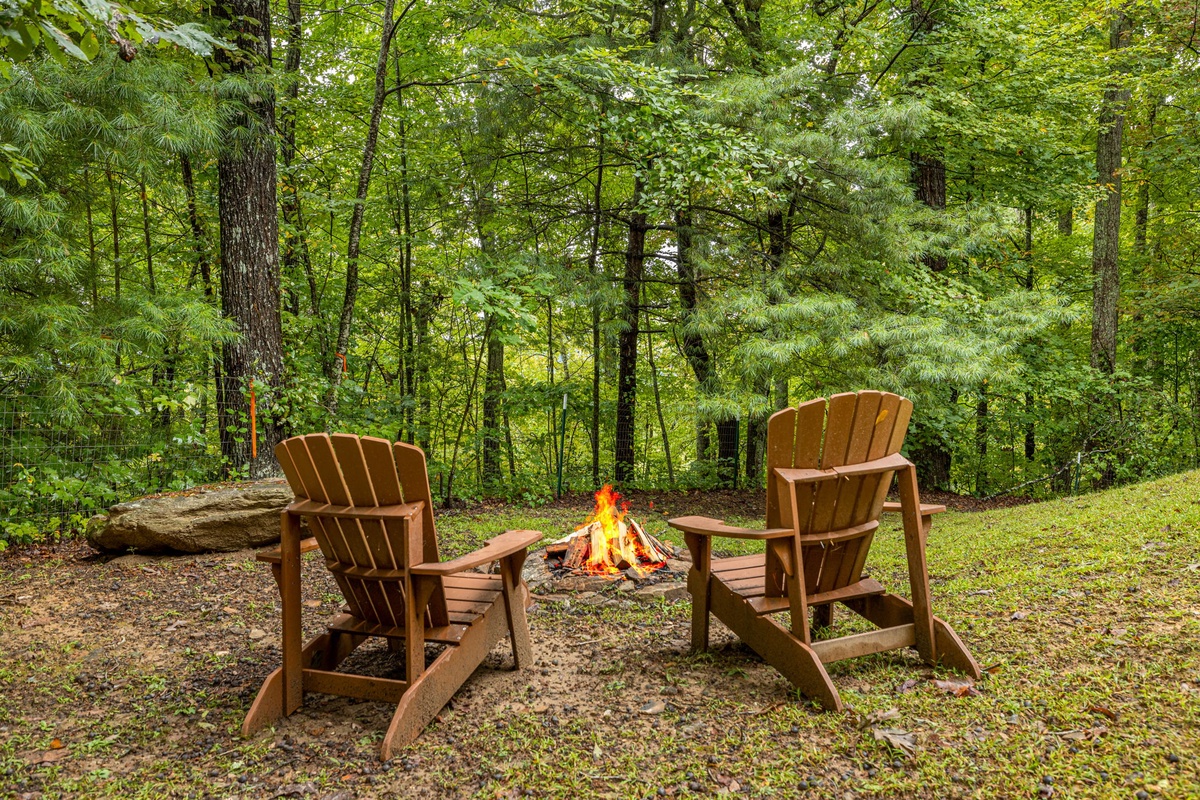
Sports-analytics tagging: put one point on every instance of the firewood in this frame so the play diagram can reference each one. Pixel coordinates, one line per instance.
(599, 554)
(577, 551)
(556, 550)
(663, 548)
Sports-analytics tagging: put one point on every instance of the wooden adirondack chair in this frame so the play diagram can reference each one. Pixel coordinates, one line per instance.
(369, 509)
(828, 472)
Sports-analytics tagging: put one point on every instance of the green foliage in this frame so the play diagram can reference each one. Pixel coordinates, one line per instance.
(499, 210)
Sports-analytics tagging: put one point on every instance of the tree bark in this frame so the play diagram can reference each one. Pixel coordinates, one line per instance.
(249, 246)
(635, 255)
(1106, 279)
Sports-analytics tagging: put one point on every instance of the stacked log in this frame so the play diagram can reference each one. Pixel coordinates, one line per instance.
(633, 547)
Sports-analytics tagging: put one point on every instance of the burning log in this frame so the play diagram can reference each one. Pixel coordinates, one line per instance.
(577, 551)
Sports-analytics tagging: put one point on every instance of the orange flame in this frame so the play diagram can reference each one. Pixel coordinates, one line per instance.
(612, 545)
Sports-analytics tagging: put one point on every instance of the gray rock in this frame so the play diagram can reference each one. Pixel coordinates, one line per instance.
(223, 519)
(671, 592)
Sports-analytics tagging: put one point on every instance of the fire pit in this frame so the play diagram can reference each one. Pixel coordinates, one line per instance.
(609, 545)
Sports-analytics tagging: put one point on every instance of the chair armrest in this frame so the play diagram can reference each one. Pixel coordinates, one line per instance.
(496, 548)
(706, 526)
(313, 508)
(926, 508)
(886, 464)
(273, 556)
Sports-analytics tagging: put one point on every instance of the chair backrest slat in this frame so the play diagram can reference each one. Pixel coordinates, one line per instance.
(414, 477)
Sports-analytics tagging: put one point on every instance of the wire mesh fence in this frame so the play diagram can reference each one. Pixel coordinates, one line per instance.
(67, 453)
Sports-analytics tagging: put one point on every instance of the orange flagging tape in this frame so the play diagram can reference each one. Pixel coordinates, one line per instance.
(253, 423)
(343, 358)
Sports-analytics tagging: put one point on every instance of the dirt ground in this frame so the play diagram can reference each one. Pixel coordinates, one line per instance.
(129, 677)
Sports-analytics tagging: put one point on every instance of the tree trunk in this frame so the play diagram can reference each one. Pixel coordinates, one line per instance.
(423, 313)
(113, 209)
(1143, 363)
(333, 369)
(493, 390)
(728, 433)
(249, 246)
(295, 242)
(635, 255)
(407, 332)
(1030, 416)
(928, 171)
(1106, 280)
(928, 177)
(594, 269)
(756, 426)
(662, 424)
(981, 441)
(1066, 221)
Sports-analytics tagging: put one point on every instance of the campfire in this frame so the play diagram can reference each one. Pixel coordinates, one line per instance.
(609, 544)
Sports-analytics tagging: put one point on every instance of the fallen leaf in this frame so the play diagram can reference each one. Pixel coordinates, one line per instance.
(56, 744)
(1019, 615)
(312, 603)
(907, 686)
(875, 717)
(1103, 711)
(957, 687)
(597, 753)
(899, 739)
(654, 707)
(48, 757)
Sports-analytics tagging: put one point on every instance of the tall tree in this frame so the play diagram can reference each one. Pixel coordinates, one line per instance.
(249, 244)
(335, 365)
(1106, 237)
(635, 257)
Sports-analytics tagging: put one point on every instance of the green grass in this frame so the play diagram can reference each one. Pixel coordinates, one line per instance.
(1085, 612)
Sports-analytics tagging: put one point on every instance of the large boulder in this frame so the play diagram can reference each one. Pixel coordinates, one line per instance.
(204, 520)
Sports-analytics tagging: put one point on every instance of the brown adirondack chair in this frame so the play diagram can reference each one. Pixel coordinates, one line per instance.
(828, 471)
(368, 507)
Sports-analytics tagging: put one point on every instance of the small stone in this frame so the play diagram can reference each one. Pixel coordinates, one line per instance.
(256, 633)
(1174, 759)
(1142, 794)
(1048, 780)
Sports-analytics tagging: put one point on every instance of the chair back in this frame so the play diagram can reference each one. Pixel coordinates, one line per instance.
(369, 558)
(835, 519)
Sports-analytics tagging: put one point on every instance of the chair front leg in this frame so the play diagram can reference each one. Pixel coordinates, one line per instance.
(514, 609)
(796, 590)
(289, 591)
(915, 528)
(700, 548)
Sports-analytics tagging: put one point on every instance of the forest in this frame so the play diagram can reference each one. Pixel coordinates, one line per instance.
(563, 243)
